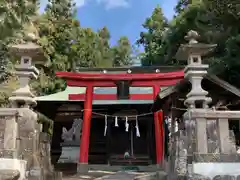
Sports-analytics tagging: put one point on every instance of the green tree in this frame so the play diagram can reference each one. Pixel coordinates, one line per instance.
(56, 27)
(13, 15)
(153, 38)
(104, 47)
(122, 52)
(222, 20)
(218, 22)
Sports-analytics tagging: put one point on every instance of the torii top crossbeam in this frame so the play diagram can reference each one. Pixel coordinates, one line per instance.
(120, 76)
(108, 79)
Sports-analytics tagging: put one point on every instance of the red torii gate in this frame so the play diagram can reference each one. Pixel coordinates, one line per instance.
(91, 80)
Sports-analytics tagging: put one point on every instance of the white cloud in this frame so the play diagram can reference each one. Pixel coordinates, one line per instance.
(43, 3)
(110, 4)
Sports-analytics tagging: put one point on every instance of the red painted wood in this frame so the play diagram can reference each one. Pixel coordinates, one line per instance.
(161, 152)
(121, 76)
(88, 80)
(158, 131)
(87, 116)
(80, 83)
(162, 82)
(111, 97)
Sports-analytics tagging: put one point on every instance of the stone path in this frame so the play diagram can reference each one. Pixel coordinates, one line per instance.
(109, 176)
(118, 176)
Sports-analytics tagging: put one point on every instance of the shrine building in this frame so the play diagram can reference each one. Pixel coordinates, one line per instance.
(115, 105)
(108, 112)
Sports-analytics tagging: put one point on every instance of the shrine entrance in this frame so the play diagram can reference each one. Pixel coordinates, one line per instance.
(120, 132)
(139, 147)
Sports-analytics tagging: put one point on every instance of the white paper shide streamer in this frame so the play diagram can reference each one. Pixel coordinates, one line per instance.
(105, 129)
(126, 124)
(137, 128)
(116, 121)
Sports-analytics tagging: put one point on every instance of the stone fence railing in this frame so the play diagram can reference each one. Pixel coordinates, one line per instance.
(208, 132)
(24, 149)
(205, 139)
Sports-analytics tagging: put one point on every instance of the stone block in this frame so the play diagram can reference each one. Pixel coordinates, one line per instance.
(224, 177)
(12, 154)
(198, 177)
(44, 137)
(216, 157)
(57, 176)
(9, 175)
(12, 167)
(214, 169)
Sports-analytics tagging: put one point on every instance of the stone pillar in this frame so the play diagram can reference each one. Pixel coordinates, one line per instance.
(223, 135)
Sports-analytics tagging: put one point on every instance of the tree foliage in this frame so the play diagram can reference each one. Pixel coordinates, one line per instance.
(218, 22)
(66, 45)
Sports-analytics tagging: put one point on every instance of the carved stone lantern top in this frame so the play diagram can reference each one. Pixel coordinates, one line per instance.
(193, 48)
(195, 69)
(192, 37)
(28, 49)
(30, 53)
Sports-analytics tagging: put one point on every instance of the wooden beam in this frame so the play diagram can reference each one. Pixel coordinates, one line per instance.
(121, 76)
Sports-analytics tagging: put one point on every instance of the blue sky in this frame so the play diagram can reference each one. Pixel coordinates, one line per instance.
(121, 17)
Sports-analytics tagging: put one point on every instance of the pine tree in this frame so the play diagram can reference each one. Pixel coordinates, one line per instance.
(153, 39)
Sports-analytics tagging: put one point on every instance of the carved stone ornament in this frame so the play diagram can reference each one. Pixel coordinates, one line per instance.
(74, 133)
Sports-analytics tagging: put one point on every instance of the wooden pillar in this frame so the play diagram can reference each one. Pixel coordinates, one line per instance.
(87, 116)
(158, 126)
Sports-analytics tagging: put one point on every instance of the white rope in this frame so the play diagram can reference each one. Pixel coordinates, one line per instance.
(126, 124)
(100, 114)
(105, 129)
(116, 121)
(137, 128)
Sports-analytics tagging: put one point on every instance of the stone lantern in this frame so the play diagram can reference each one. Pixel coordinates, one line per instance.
(26, 127)
(195, 69)
(30, 53)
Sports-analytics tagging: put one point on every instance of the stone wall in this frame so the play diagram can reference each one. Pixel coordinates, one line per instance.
(24, 149)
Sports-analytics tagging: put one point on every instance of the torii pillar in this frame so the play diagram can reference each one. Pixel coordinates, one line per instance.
(87, 116)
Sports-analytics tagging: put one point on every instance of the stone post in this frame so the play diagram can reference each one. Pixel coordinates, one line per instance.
(197, 97)
(27, 127)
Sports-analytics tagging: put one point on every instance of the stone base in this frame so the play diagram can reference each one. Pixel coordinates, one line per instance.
(82, 168)
(214, 169)
(214, 157)
(69, 155)
(13, 165)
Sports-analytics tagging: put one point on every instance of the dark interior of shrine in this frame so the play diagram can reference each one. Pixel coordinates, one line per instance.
(110, 148)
